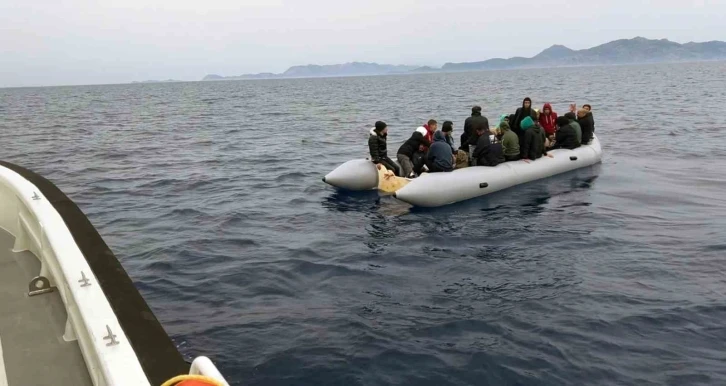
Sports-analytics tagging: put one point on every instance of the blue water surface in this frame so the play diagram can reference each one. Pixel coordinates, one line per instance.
(210, 194)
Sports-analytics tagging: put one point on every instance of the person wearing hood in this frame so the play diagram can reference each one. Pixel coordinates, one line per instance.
(523, 112)
(448, 130)
(378, 147)
(533, 140)
(587, 123)
(471, 125)
(440, 158)
(547, 120)
(487, 153)
(510, 143)
(575, 125)
(566, 137)
(406, 152)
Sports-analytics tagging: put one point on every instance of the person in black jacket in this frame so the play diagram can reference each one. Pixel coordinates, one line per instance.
(523, 112)
(408, 149)
(471, 125)
(487, 153)
(533, 143)
(448, 129)
(565, 137)
(378, 148)
(440, 158)
(587, 124)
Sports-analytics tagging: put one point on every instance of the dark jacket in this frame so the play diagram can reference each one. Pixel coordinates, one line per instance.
(566, 137)
(587, 124)
(439, 157)
(533, 141)
(486, 153)
(516, 123)
(450, 141)
(412, 144)
(377, 146)
(471, 125)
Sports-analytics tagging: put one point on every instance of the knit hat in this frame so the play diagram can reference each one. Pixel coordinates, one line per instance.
(380, 125)
(526, 123)
(476, 109)
(571, 116)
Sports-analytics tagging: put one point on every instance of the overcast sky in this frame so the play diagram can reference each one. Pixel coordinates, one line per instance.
(52, 42)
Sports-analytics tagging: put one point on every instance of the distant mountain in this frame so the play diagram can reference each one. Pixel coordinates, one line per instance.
(624, 51)
(157, 81)
(313, 70)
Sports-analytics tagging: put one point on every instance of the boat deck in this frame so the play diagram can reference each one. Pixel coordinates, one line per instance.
(32, 349)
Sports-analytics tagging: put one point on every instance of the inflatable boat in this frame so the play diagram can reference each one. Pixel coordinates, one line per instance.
(438, 189)
(69, 313)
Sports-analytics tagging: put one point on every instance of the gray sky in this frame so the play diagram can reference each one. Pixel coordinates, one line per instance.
(51, 42)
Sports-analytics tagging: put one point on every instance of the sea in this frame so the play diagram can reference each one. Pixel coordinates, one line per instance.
(210, 195)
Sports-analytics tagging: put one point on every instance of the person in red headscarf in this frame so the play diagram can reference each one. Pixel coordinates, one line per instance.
(548, 120)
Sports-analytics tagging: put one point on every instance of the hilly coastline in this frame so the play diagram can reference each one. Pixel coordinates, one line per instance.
(623, 51)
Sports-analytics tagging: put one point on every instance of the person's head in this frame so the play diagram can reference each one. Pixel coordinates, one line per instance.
(527, 123)
(547, 109)
(503, 118)
(481, 130)
(476, 110)
(527, 103)
(571, 116)
(439, 136)
(504, 126)
(433, 125)
(581, 113)
(563, 121)
(381, 128)
(536, 113)
(587, 107)
(448, 128)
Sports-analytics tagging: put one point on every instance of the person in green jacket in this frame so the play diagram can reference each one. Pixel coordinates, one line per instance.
(510, 142)
(573, 121)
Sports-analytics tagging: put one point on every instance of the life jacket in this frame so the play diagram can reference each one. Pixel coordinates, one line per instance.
(429, 135)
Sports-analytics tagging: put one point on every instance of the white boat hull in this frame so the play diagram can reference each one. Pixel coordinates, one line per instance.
(438, 189)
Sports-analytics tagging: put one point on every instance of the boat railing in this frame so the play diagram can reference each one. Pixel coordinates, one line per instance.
(204, 366)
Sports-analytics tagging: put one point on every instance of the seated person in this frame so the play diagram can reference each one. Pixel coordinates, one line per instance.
(378, 148)
(587, 123)
(440, 158)
(532, 146)
(487, 153)
(405, 154)
(565, 137)
(510, 143)
(448, 129)
(575, 125)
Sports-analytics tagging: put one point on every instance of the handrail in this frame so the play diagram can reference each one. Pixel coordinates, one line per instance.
(202, 365)
(109, 357)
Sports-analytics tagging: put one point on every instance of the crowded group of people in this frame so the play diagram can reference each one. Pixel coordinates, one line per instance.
(525, 135)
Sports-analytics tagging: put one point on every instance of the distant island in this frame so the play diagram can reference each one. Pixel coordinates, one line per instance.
(623, 51)
(157, 81)
(313, 70)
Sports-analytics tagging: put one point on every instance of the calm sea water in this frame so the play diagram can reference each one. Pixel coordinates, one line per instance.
(211, 196)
